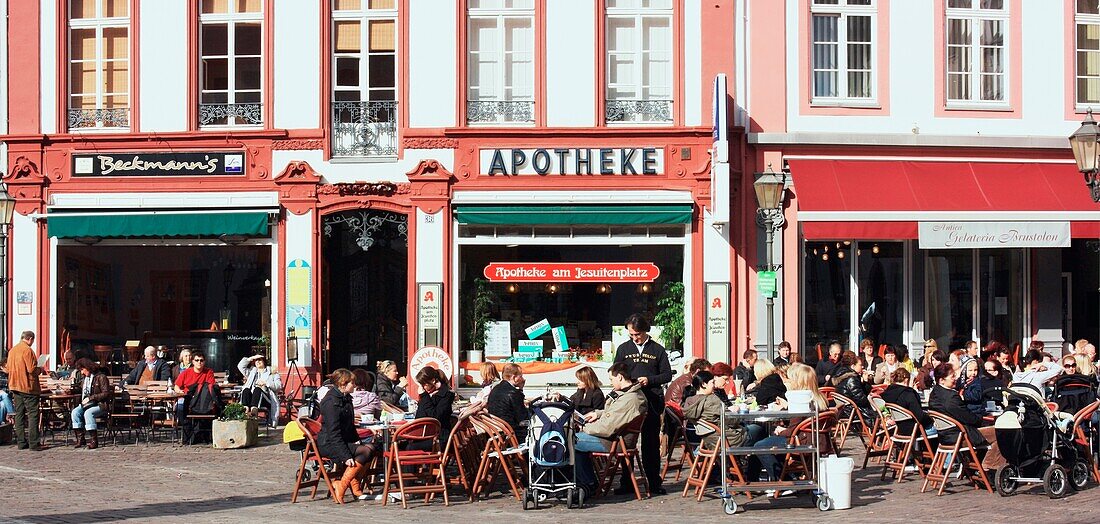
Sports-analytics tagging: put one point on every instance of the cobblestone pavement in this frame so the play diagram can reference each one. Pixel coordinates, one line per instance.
(167, 483)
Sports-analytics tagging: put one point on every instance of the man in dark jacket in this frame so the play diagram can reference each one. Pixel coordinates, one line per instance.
(848, 381)
(826, 367)
(783, 358)
(743, 373)
(648, 364)
(506, 400)
(152, 368)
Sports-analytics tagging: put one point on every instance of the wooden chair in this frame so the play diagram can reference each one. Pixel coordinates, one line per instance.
(802, 434)
(623, 455)
(430, 463)
(877, 437)
(827, 392)
(961, 451)
(310, 428)
(677, 437)
(1084, 435)
(130, 415)
(702, 465)
(462, 450)
(905, 448)
(392, 409)
(877, 389)
(501, 453)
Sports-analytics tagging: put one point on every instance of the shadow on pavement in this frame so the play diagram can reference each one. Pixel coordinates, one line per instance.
(158, 509)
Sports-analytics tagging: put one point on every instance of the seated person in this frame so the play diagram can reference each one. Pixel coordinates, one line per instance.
(705, 406)
(769, 384)
(625, 403)
(800, 377)
(743, 374)
(363, 399)
(680, 387)
(490, 377)
(826, 367)
(338, 439)
(899, 392)
(95, 392)
(1036, 371)
(436, 401)
(191, 379)
(261, 386)
(506, 401)
(389, 386)
(589, 397)
(67, 367)
(848, 379)
(722, 374)
(946, 400)
(149, 369)
(925, 375)
(6, 407)
(184, 363)
(889, 364)
(971, 385)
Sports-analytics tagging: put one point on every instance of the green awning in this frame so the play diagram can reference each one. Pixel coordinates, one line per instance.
(627, 214)
(125, 225)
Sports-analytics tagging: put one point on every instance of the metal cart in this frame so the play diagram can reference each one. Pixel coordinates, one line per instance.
(820, 498)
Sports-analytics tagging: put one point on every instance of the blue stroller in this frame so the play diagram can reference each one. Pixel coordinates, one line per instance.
(551, 468)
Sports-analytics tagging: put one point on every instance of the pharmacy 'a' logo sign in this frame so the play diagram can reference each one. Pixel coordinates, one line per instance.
(429, 297)
(716, 304)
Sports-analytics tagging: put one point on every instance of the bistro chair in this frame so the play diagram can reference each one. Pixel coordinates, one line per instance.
(674, 417)
(622, 454)
(702, 467)
(802, 434)
(905, 448)
(501, 453)
(430, 463)
(462, 451)
(1084, 435)
(130, 415)
(310, 428)
(827, 392)
(876, 439)
(962, 451)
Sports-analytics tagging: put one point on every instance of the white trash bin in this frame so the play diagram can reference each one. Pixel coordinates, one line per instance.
(835, 476)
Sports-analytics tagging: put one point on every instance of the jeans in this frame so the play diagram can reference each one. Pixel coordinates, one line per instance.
(754, 433)
(5, 406)
(84, 417)
(771, 462)
(586, 445)
(26, 418)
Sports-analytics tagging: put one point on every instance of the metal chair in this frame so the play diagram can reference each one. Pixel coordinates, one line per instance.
(310, 428)
(430, 463)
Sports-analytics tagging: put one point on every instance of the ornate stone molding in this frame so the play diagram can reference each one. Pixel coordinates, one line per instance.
(364, 189)
(429, 169)
(298, 187)
(429, 143)
(298, 144)
(26, 184)
(24, 168)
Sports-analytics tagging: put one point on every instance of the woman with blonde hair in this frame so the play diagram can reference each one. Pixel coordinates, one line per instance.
(800, 377)
(390, 386)
(490, 377)
(769, 383)
(1085, 365)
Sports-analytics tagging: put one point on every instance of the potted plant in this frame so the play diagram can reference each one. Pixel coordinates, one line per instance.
(670, 313)
(480, 315)
(234, 429)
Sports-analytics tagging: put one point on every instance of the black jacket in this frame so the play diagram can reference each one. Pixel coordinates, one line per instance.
(745, 374)
(652, 363)
(780, 361)
(849, 384)
(948, 402)
(824, 368)
(873, 365)
(438, 405)
(388, 391)
(337, 427)
(161, 371)
(769, 388)
(506, 402)
(586, 401)
(907, 398)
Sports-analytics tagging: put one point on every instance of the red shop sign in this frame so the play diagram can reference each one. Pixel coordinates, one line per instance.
(571, 272)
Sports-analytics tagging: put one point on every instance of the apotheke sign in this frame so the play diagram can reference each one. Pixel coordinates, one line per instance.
(970, 235)
(158, 164)
(573, 161)
(571, 272)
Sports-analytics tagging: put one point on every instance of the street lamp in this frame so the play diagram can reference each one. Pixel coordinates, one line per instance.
(770, 189)
(1085, 144)
(7, 210)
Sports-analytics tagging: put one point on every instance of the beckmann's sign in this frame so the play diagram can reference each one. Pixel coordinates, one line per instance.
(969, 235)
(573, 161)
(158, 164)
(571, 272)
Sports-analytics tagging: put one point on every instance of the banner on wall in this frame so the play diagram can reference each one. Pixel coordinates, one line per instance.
(718, 321)
(299, 305)
(971, 235)
(571, 272)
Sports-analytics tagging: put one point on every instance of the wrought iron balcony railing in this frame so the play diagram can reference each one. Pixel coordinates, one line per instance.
(657, 111)
(364, 129)
(231, 114)
(504, 111)
(116, 117)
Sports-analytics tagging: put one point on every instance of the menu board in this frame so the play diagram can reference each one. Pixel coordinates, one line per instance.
(498, 339)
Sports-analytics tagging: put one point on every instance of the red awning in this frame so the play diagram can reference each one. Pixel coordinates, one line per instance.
(884, 199)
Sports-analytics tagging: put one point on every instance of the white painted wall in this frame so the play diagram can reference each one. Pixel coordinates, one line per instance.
(297, 95)
(912, 68)
(432, 72)
(24, 272)
(430, 260)
(335, 172)
(163, 74)
(693, 63)
(48, 64)
(570, 64)
(299, 245)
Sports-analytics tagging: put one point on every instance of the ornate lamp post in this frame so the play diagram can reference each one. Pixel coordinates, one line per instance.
(770, 191)
(7, 210)
(1085, 146)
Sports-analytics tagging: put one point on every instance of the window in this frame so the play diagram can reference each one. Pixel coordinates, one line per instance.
(976, 51)
(500, 67)
(639, 61)
(364, 78)
(843, 50)
(231, 63)
(1088, 52)
(99, 64)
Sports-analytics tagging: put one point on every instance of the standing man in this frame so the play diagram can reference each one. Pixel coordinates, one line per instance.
(647, 362)
(152, 368)
(23, 374)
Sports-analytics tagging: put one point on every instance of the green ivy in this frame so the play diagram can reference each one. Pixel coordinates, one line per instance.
(481, 313)
(670, 313)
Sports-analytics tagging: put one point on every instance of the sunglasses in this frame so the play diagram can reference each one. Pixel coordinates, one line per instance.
(1069, 366)
(198, 360)
(929, 347)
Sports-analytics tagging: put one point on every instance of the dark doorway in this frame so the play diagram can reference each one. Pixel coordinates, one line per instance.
(365, 290)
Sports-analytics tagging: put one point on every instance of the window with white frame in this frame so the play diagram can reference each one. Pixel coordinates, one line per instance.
(977, 52)
(1088, 53)
(231, 63)
(843, 50)
(99, 64)
(501, 61)
(364, 78)
(639, 61)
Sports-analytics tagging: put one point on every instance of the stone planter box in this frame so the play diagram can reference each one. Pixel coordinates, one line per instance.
(232, 434)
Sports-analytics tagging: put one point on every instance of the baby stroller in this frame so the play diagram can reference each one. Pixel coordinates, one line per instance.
(1037, 445)
(551, 468)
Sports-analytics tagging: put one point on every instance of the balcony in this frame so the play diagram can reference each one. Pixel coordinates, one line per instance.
(638, 111)
(364, 129)
(114, 118)
(231, 114)
(500, 111)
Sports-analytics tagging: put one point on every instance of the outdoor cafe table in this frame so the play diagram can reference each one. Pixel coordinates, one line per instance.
(59, 404)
